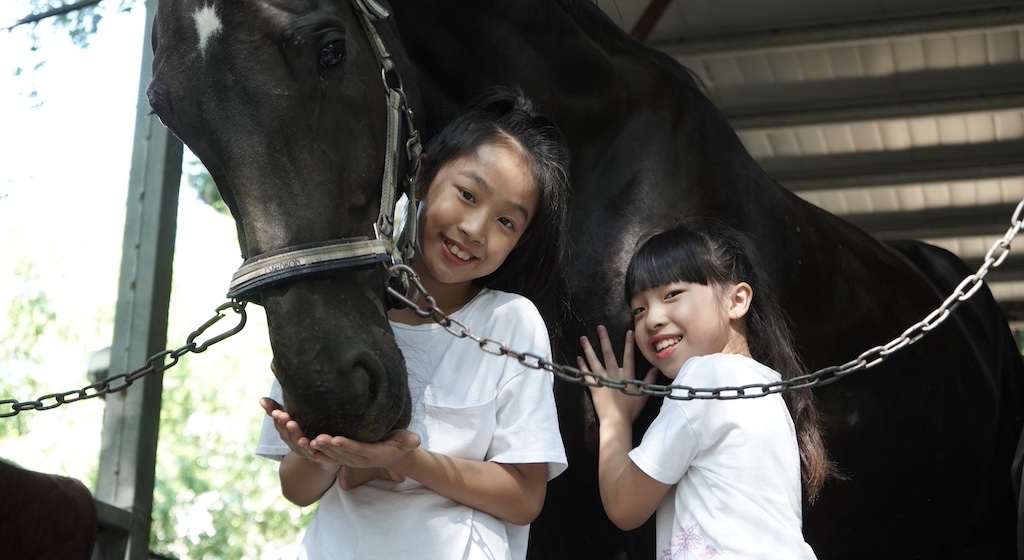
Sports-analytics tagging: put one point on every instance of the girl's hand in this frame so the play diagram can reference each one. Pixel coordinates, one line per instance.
(611, 404)
(356, 454)
(291, 433)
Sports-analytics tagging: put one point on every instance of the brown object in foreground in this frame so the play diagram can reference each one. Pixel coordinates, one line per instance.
(45, 516)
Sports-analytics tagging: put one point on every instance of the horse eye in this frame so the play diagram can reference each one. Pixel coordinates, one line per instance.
(332, 54)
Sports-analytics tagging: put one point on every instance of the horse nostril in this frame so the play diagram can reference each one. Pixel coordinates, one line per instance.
(365, 371)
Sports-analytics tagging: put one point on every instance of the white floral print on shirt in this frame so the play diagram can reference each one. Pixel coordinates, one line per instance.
(687, 540)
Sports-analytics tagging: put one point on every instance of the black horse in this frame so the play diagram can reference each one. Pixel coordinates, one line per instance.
(283, 103)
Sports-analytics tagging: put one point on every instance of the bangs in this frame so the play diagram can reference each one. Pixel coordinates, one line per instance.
(678, 255)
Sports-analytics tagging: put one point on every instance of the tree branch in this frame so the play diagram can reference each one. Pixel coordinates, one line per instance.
(54, 12)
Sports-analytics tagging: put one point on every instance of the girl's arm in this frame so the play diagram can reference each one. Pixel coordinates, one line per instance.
(349, 478)
(304, 481)
(629, 496)
(510, 492)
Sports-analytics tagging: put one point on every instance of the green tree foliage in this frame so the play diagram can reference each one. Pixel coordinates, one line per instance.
(29, 315)
(214, 499)
(78, 18)
(37, 344)
(200, 180)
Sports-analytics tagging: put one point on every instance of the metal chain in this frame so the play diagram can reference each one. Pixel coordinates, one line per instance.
(869, 358)
(122, 381)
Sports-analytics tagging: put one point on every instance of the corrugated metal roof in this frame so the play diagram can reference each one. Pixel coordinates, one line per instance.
(905, 117)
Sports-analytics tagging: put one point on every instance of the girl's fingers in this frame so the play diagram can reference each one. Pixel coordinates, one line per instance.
(582, 365)
(325, 448)
(278, 415)
(627, 350)
(268, 405)
(608, 364)
(606, 346)
(591, 356)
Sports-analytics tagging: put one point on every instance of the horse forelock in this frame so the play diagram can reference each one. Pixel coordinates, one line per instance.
(208, 25)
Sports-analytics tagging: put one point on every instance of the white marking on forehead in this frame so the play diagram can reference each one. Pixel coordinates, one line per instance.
(207, 25)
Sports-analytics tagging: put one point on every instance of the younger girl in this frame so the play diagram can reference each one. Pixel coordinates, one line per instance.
(470, 473)
(724, 476)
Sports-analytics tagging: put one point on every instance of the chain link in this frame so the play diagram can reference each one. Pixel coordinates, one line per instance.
(121, 381)
(868, 359)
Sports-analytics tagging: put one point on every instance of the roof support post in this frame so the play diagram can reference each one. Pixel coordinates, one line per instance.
(124, 488)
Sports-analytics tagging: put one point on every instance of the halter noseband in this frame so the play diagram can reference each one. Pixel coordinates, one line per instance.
(291, 263)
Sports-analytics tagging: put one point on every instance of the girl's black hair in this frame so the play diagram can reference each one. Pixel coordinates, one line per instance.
(506, 117)
(709, 253)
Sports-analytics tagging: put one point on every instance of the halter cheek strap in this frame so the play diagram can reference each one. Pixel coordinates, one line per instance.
(387, 245)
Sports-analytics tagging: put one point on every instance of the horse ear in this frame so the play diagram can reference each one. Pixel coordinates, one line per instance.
(740, 297)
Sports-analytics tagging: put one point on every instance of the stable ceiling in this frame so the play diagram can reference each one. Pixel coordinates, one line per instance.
(905, 117)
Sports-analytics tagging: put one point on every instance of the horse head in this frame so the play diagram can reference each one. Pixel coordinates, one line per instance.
(274, 98)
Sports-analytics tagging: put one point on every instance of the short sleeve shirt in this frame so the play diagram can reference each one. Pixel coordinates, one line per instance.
(735, 466)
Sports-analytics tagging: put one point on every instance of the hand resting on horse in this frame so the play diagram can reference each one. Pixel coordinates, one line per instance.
(310, 469)
(324, 453)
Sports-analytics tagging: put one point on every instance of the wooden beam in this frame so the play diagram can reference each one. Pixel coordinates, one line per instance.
(649, 19)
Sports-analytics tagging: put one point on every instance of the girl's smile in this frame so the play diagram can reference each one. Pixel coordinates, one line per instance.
(456, 251)
(665, 345)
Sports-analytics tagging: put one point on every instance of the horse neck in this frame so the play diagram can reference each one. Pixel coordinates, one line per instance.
(605, 90)
(540, 46)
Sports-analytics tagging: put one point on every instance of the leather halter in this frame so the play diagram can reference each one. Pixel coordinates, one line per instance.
(387, 244)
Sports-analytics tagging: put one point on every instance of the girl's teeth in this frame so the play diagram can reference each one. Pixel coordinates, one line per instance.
(458, 252)
(663, 344)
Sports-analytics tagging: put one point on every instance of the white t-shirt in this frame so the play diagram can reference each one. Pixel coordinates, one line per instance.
(735, 466)
(466, 403)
